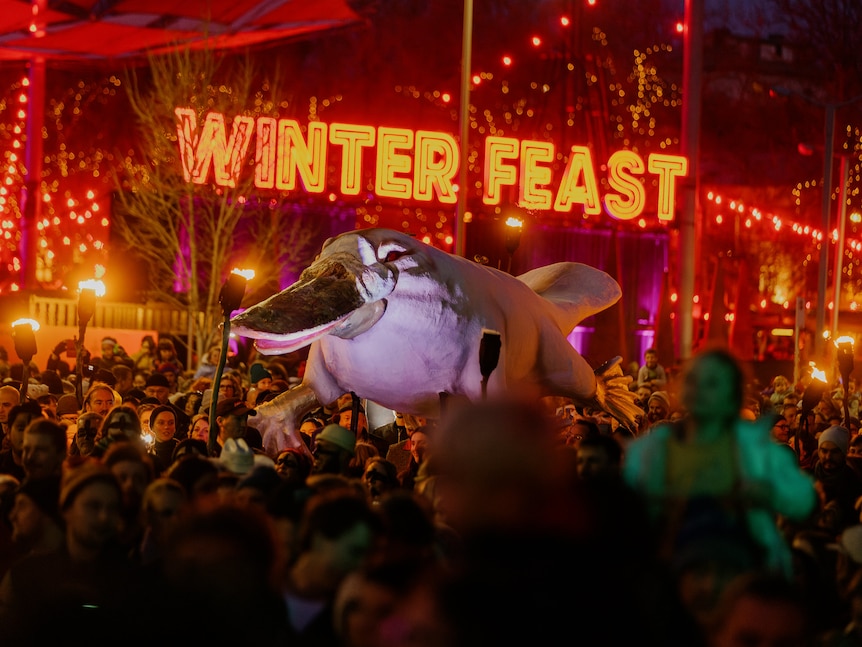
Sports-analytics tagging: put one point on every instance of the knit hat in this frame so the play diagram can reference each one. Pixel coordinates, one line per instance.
(162, 408)
(838, 435)
(338, 436)
(78, 478)
(67, 404)
(45, 493)
(662, 397)
(236, 456)
(258, 373)
(158, 379)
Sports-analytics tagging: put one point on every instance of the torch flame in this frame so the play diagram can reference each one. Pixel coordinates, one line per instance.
(817, 374)
(27, 322)
(248, 275)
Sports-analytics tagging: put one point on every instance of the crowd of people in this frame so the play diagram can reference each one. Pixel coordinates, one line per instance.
(727, 515)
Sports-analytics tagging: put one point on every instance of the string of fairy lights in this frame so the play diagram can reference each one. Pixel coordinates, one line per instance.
(72, 229)
(643, 109)
(750, 217)
(13, 169)
(74, 224)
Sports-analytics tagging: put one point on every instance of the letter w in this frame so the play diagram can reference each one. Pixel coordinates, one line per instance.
(212, 147)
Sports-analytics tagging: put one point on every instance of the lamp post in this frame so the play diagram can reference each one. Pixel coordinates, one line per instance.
(87, 292)
(230, 299)
(25, 348)
(839, 249)
(464, 127)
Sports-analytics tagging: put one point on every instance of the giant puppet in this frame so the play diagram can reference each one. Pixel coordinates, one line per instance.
(400, 322)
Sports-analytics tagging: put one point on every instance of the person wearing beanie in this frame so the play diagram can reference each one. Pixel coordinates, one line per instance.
(333, 449)
(260, 381)
(158, 387)
(658, 407)
(68, 408)
(259, 377)
(164, 423)
(35, 516)
(90, 584)
(840, 483)
(91, 485)
(836, 435)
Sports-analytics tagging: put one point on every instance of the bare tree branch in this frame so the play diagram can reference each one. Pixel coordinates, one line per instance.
(187, 236)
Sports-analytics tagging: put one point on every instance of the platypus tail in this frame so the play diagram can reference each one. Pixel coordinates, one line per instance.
(578, 290)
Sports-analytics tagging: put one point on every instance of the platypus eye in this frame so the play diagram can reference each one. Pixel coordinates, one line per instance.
(389, 252)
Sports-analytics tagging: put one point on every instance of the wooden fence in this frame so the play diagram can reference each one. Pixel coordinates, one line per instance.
(51, 311)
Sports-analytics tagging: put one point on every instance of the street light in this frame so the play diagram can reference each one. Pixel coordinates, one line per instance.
(230, 298)
(826, 200)
(839, 248)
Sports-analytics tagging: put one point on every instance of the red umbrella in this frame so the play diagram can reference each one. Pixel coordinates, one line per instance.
(106, 30)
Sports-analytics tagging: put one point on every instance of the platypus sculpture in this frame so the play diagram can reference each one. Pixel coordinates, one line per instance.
(400, 322)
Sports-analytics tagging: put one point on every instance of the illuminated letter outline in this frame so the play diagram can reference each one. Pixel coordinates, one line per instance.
(570, 192)
(496, 173)
(436, 167)
(390, 163)
(667, 167)
(533, 176)
(629, 202)
(353, 139)
(211, 147)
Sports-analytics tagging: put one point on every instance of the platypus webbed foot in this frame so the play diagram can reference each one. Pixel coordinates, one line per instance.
(613, 394)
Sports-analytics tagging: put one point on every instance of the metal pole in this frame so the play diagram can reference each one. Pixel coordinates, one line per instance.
(30, 192)
(819, 344)
(692, 66)
(222, 360)
(466, 49)
(839, 247)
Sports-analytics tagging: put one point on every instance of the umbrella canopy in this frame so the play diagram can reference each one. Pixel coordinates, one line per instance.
(106, 29)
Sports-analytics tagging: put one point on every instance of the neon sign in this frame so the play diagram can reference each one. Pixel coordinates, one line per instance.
(420, 165)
